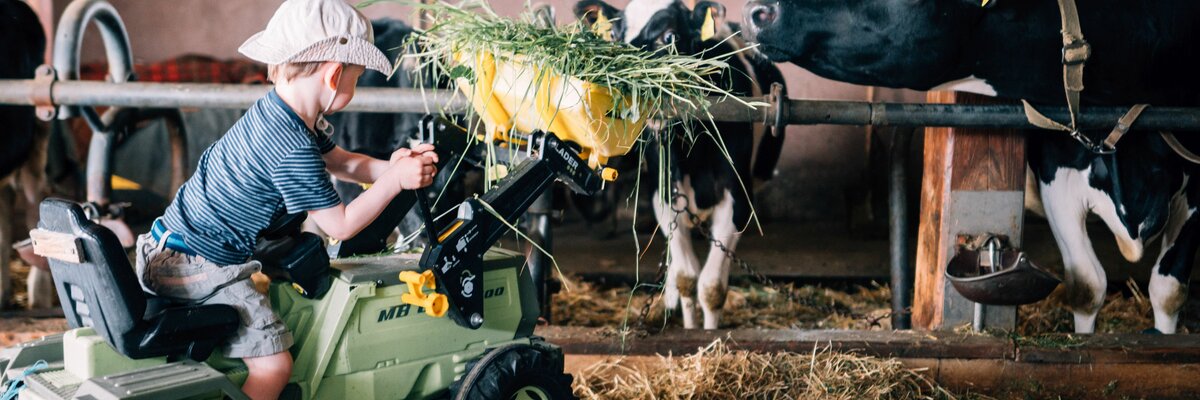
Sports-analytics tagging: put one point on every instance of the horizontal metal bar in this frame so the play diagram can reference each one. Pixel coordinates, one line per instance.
(980, 116)
(799, 112)
(212, 95)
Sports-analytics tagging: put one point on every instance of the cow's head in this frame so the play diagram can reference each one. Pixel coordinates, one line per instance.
(600, 16)
(655, 24)
(852, 40)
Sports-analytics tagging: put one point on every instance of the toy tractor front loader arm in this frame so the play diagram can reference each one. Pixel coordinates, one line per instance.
(455, 254)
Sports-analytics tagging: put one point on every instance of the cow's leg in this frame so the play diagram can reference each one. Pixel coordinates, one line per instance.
(714, 278)
(1066, 210)
(682, 265)
(1168, 280)
(32, 178)
(7, 196)
(1033, 198)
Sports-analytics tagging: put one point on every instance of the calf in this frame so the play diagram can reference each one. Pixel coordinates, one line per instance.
(23, 155)
(704, 181)
(1142, 52)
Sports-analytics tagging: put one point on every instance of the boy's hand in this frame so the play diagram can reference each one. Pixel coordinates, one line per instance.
(422, 149)
(414, 172)
(414, 167)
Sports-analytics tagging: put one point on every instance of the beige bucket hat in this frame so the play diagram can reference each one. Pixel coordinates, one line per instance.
(317, 30)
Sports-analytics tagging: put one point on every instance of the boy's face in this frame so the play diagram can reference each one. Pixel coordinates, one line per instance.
(347, 81)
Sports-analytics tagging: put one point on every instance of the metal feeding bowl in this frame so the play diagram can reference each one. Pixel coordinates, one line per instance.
(999, 276)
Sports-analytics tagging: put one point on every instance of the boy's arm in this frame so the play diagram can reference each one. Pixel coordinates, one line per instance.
(354, 167)
(361, 168)
(342, 222)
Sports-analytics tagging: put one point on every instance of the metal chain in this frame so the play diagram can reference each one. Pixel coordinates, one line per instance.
(659, 277)
(682, 207)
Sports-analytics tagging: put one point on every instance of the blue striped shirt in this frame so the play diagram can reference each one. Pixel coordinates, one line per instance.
(267, 165)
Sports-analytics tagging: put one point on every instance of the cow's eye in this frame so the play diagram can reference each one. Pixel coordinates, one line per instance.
(667, 37)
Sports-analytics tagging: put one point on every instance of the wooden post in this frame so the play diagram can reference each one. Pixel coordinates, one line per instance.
(973, 183)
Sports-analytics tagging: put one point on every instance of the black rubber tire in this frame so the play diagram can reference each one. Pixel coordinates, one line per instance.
(536, 370)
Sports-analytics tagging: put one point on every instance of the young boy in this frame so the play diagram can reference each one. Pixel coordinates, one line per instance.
(276, 160)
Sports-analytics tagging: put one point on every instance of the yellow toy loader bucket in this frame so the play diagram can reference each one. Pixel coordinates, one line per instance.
(510, 95)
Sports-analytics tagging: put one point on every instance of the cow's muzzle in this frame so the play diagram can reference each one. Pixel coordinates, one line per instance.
(760, 15)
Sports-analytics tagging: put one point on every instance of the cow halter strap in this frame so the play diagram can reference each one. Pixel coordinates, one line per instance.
(1075, 53)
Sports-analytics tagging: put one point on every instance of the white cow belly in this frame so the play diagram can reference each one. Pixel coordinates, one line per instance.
(970, 84)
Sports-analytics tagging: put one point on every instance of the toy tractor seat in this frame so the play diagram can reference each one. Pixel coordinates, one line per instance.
(98, 288)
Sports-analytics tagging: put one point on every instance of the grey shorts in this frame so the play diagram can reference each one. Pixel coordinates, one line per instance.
(193, 279)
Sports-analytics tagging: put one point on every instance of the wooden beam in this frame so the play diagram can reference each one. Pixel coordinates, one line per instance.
(1071, 366)
(973, 183)
(1047, 349)
(1005, 379)
(905, 344)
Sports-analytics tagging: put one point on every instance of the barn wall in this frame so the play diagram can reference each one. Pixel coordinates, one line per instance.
(820, 167)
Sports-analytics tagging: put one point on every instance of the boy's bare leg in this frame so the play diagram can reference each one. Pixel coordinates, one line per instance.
(268, 375)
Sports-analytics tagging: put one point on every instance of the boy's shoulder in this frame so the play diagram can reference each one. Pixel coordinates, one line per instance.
(270, 122)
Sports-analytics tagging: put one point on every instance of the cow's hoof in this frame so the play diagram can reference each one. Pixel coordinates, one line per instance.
(1152, 331)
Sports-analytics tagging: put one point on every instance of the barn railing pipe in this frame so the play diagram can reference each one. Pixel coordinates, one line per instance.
(541, 235)
(100, 152)
(898, 223)
(211, 95)
(799, 112)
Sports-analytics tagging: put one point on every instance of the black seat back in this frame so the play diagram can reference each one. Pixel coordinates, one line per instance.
(101, 290)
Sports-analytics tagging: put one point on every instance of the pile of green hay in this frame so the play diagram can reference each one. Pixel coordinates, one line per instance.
(643, 84)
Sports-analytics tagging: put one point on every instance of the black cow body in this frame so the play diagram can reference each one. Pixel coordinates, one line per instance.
(712, 180)
(379, 134)
(376, 134)
(1142, 52)
(23, 153)
(20, 54)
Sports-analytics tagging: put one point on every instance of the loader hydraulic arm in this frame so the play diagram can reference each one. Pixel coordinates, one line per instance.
(455, 254)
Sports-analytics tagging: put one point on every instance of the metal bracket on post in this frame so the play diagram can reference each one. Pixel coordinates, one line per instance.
(778, 109)
(42, 92)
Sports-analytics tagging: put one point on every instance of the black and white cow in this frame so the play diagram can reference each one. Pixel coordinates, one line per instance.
(712, 186)
(23, 154)
(1142, 52)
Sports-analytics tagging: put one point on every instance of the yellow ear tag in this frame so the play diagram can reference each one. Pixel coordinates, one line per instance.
(120, 183)
(709, 28)
(603, 27)
(985, 3)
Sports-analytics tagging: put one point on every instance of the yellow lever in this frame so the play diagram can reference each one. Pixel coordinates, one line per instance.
(435, 304)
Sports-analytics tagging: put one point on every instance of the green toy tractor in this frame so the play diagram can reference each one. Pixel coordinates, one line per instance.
(367, 333)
